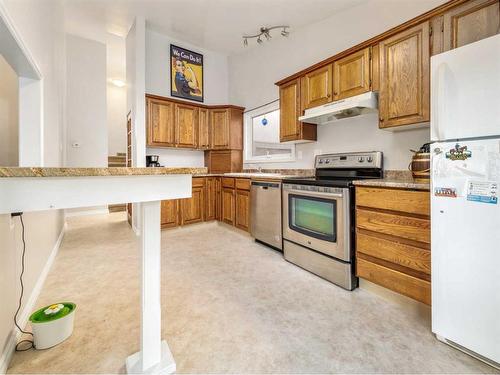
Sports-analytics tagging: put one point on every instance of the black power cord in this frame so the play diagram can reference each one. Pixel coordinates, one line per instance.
(30, 341)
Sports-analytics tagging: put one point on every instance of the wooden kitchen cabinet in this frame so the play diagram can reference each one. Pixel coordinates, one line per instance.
(352, 74)
(160, 123)
(404, 59)
(226, 128)
(291, 129)
(219, 126)
(175, 123)
(472, 21)
(211, 199)
(228, 205)
(169, 213)
(242, 204)
(316, 87)
(393, 240)
(193, 209)
(224, 161)
(186, 126)
(203, 129)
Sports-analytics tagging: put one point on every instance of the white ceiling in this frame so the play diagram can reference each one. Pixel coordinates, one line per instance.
(216, 25)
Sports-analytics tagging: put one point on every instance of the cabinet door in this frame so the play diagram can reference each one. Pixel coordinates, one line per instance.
(186, 125)
(219, 127)
(289, 111)
(203, 129)
(192, 209)
(218, 198)
(470, 22)
(227, 209)
(170, 213)
(352, 75)
(210, 199)
(316, 87)
(242, 217)
(161, 125)
(404, 77)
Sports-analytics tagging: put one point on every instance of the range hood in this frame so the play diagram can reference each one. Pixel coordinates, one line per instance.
(349, 107)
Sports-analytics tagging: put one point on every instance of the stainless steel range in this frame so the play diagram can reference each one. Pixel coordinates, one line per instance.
(318, 215)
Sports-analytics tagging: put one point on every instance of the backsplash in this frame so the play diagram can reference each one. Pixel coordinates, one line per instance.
(283, 171)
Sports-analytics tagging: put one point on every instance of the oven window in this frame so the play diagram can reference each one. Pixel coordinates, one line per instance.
(315, 217)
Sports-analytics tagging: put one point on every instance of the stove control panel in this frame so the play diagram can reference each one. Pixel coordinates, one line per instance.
(372, 159)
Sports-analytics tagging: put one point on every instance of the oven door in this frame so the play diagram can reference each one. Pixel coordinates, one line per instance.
(318, 220)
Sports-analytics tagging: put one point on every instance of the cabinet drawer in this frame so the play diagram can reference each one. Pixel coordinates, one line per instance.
(399, 282)
(242, 183)
(399, 253)
(411, 228)
(198, 181)
(411, 201)
(228, 182)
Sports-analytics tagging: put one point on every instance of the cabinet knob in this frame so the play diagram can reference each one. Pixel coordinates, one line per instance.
(381, 119)
(335, 93)
(328, 95)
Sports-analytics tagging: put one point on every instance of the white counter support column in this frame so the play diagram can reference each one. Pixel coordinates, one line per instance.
(155, 356)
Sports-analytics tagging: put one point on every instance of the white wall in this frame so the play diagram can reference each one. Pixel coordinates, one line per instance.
(86, 110)
(253, 72)
(40, 26)
(9, 123)
(215, 83)
(116, 96)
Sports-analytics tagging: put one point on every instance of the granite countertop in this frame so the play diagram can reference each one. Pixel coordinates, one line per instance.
(396, 179)
(91, 172)
(267, 174)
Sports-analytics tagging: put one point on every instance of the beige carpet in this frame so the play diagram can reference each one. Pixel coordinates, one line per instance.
(230, 305)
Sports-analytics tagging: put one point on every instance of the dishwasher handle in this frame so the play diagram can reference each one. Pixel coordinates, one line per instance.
(266, 185)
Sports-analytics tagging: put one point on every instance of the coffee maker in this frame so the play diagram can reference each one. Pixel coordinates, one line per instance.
(152, 161)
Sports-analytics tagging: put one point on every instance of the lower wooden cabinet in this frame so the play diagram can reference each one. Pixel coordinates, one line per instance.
(169, 213)
(393, 240)
(225, 199)
(228, 206)
(211, 199)
(193, 209)
(242, 211)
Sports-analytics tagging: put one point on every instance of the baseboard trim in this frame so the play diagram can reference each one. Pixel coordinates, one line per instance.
(9, 349)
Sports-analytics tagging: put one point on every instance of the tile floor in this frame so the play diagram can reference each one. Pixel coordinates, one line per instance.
(230, 305)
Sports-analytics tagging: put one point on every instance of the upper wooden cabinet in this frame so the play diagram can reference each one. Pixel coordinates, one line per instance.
(352, 74)
(470, 22)
(219, 126)
(203, 129)
(404, 77)
(316, 87)
(291, 129)
(186, 126)
(160, 123)
(176, 123)
(226, 128)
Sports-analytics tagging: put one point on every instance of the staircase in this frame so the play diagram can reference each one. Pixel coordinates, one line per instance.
(118, 160)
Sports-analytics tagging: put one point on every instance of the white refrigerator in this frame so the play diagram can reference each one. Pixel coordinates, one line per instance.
(465, 211)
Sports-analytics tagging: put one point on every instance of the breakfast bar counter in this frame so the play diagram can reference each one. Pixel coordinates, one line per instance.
(38, 189)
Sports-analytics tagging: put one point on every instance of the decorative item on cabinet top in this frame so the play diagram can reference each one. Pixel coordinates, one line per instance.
(176, 123)
(378, 63)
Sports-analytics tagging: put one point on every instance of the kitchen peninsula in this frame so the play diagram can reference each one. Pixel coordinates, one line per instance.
(37, 189)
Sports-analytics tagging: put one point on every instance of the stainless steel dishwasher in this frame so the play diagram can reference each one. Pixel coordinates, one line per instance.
(266, 213)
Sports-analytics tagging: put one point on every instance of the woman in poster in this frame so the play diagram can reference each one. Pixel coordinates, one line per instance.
(186, 82)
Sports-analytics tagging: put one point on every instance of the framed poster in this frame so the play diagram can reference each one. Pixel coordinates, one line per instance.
(186, 74)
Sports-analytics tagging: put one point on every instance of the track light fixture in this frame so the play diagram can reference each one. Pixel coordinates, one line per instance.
(266, 32)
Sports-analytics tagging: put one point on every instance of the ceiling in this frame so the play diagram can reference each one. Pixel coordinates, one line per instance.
(217, 25)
